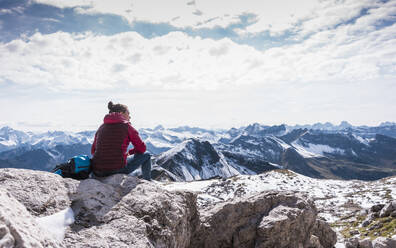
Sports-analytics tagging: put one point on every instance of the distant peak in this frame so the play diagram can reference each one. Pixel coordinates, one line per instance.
(387, 124)
(159, 127)
(345, 123)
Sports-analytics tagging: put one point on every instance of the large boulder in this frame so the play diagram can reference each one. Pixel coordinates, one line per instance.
(271, 219)
(388, 209)
(123, 211)
(18, 228)
(42, 193)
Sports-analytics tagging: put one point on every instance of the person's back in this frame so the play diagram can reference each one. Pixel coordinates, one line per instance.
(109, 148)
(110, 139)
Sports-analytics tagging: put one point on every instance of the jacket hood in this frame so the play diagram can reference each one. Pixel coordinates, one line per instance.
(115, 118)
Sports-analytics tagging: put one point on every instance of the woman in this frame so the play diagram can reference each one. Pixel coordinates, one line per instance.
(109, 149)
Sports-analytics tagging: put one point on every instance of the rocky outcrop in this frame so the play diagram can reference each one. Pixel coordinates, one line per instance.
(18, 228)
(380, 242)
(388, 210)
(40, 192)
(124, 211)
(271, 219)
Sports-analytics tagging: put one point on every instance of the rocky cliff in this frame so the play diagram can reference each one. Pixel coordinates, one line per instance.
(124, 211)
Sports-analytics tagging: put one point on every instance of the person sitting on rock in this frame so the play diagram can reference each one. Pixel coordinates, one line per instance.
(109, 149)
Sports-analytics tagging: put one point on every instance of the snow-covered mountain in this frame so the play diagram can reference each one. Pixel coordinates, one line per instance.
(10, 139)
(194, 159)
(161, 139)
(320, 150)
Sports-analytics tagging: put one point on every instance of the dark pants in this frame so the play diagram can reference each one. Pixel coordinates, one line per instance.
(143, 159)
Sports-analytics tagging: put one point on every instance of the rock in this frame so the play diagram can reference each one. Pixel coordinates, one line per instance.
(382, 242)
(365, 243)
(388, 209)
(323, 230)
(352, 243)
(270, 219)
(42, 193)
(366, 222)
(370, 218)
(6, 239)
(124, 211)
(160, 174)
(377, 207)
(18, 227)
(141, 214)
(314, 242)
(393, 214)
(282, 219)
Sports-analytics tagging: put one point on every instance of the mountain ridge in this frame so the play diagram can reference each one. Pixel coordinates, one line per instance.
(328, 151)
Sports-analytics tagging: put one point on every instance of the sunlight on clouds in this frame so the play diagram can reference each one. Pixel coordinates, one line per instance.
(276, 17)
(63, 61)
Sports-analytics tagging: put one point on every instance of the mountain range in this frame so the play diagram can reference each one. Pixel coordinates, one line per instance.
(189, 153)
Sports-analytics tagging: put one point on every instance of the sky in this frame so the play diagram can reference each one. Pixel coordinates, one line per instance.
(205, 63)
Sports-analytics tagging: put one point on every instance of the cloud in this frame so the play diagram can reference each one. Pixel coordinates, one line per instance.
(300, 18)
(63, 61)
(218, 51)
(275, 15)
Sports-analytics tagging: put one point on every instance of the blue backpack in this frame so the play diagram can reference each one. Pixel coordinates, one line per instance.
(78, 167)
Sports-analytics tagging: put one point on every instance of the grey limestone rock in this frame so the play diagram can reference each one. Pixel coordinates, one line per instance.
(352, 243)
(123, 211)
(365, 243)
(271, 219)
(383, 242)
(323, 230)
(18, 228)
(315, 242)
(388, 209)
(42, 193)
(377, 207)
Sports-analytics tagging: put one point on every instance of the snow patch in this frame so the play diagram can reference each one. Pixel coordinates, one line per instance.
(361, 139)
(56, 224)
(316, 150)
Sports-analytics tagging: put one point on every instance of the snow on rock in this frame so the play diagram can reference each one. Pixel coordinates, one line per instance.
(42, 193)
(18, 228)
(334, 198)
(56, 224)
(315, 150)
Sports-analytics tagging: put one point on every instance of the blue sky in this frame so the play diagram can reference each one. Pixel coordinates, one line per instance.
(199, 63)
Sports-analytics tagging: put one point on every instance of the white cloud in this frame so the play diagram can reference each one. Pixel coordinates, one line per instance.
(276, 17)
(339, 72)
(63, 61)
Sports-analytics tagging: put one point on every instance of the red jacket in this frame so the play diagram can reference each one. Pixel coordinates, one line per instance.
(112, 139)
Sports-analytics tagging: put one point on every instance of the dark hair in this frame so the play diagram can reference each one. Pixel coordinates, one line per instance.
(118, 108)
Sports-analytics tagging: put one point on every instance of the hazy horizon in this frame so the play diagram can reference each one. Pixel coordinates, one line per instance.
(39, 129)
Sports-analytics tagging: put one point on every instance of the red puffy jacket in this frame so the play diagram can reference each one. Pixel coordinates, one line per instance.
(109, 148)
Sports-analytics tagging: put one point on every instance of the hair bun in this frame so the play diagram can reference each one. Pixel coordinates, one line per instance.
(110, 105)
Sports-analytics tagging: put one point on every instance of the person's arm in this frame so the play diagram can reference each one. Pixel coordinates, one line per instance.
(138, 144)
(93, 147)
